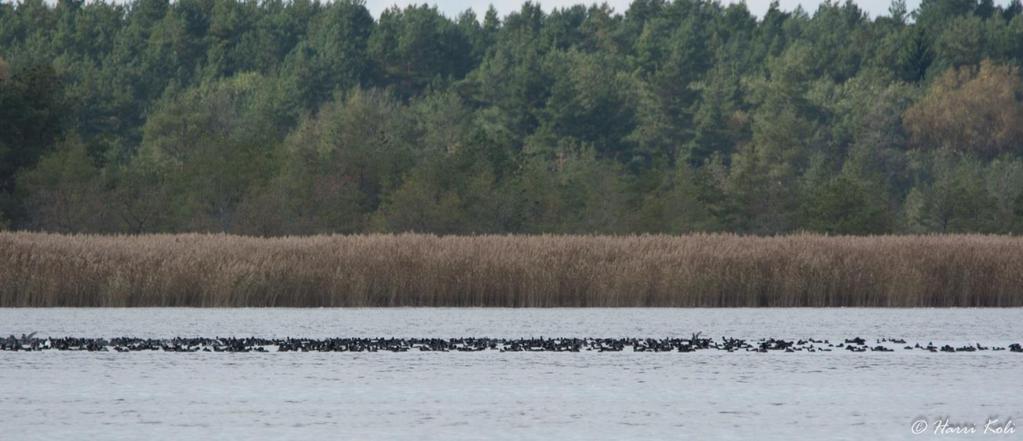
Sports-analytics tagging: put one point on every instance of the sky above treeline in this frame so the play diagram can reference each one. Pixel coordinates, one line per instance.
(452, 8)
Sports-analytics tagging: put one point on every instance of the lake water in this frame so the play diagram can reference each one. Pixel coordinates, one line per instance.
(493, 395)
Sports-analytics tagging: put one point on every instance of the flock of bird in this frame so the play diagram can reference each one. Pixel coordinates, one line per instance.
(254, 344)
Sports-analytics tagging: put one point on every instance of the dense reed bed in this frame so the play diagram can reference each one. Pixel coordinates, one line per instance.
(516, 271)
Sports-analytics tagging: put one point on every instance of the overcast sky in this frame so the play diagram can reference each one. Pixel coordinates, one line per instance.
(452, 8)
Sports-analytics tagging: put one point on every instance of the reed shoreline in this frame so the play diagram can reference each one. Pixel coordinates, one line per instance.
(703, 270)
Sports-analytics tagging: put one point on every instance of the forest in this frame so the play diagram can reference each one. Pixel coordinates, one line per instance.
(272, 118)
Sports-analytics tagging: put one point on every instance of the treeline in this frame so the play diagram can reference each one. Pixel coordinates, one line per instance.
(273, 117)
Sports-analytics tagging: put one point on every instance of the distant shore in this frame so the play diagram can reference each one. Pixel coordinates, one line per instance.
(40, 270)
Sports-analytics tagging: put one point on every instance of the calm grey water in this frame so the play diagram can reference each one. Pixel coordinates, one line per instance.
(491, 395)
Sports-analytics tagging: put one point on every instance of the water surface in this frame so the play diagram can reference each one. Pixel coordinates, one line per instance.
(492, 395)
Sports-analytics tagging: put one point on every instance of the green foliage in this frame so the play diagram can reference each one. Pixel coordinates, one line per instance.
(215, 143)
(31, 118)
(31, 121)
(589, 103)
(955, 199)
(843, 205)
(414, 46)
(64, 191)
(300, 117)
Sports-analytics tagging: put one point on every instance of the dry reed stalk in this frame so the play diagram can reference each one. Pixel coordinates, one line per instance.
(38, 269)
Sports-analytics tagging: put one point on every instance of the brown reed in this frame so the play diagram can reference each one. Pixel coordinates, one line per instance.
(38, 269)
